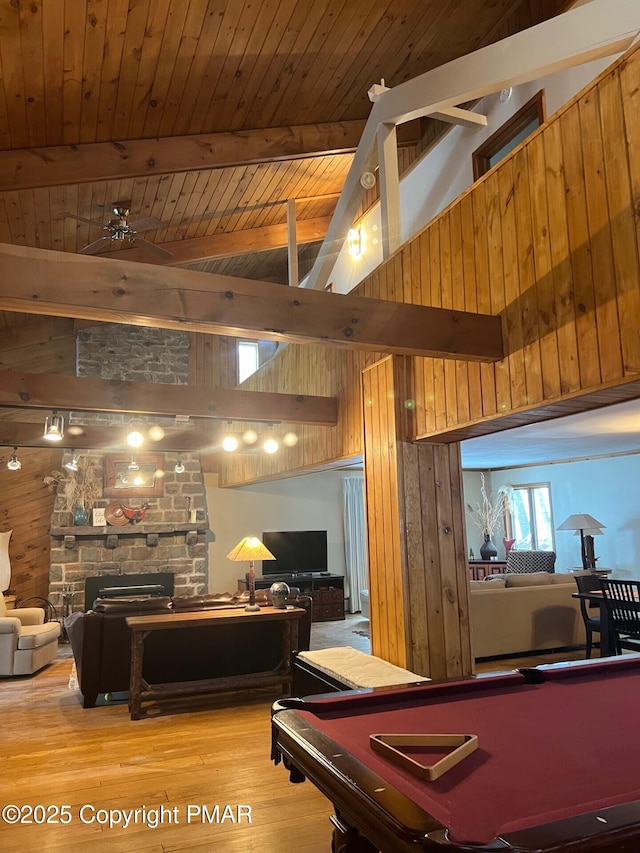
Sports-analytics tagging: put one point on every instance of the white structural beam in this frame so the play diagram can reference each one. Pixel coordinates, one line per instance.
(465, 118)
(389, 182)
(598, 29)
(292, 242)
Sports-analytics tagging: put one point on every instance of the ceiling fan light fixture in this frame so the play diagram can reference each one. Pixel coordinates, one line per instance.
(53, 427)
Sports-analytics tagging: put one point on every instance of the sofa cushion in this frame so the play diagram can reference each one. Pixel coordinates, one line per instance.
(529, 579)
(561, 577)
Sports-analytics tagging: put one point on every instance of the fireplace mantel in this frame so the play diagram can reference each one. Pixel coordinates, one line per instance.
(111, 533)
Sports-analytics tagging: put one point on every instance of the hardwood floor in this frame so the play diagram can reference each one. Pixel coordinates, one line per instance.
(54, 753)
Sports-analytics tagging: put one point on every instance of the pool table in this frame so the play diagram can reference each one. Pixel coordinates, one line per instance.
(557, 765)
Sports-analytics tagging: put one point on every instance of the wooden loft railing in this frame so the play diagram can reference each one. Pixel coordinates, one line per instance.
(549, 240)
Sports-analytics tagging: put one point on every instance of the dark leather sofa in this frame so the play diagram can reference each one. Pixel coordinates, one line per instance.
(101, 642)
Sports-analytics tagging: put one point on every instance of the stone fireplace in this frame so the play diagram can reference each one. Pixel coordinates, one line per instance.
(172, 535)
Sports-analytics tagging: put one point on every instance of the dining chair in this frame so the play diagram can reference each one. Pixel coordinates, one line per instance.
(622, 600)
(590, 610)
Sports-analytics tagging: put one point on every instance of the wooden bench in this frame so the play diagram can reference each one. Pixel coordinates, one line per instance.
(344, 668)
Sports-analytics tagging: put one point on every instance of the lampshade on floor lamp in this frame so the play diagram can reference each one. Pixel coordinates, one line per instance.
(582, 522)
(249, 549)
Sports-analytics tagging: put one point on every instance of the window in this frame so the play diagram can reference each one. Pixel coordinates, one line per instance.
(248, 359)
(520, 125)
(529, 518)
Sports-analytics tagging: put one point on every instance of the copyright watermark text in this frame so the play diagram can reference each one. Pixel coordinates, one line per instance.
(151, 817)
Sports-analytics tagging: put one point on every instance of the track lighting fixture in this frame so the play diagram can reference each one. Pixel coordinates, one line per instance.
(54, 427)
(73, 464)
(230, 443)
(14, 464)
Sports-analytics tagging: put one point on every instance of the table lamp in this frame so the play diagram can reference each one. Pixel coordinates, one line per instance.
(581, 522)
(249, 549)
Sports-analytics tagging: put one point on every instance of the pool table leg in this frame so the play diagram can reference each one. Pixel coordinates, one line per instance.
(347, 839)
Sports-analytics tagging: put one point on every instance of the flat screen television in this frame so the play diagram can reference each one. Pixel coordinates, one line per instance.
(295, 551)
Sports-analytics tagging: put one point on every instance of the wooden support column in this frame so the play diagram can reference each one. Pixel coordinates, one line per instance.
(418, 584)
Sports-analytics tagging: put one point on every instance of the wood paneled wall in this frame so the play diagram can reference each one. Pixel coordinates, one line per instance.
(549, 240)
(25, 507)
(416, 535)
(39, 345)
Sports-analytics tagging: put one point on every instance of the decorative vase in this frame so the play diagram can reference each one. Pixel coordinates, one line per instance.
(488, 550)
(80, 515)
(279, 592)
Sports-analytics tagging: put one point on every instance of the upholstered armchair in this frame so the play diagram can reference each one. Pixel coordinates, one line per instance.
(27, 642)
(531, 561)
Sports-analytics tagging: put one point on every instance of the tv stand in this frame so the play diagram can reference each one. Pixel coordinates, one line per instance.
(325, 590)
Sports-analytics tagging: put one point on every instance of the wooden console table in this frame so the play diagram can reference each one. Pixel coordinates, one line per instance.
(142, 626)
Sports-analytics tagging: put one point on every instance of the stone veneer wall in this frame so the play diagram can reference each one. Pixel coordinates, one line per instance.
(166, 539)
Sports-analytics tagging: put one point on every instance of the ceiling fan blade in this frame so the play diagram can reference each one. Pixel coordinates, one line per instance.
(94, 247)
(158, 251)
(87, 221)
(148, 224)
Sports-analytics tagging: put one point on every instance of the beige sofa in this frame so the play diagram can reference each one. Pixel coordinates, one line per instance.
(524, 613)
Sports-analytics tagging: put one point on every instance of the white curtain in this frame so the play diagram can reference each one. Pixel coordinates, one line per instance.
(355, 539)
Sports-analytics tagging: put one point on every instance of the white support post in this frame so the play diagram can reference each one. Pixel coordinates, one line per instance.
(389, 182)
(292, 243)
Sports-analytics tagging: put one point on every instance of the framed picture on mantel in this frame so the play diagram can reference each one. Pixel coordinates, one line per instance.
(138, 475)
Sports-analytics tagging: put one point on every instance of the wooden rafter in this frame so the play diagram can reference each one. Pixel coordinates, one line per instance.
(102, 161)
(69, 393)
(35, 281)
(230, 244)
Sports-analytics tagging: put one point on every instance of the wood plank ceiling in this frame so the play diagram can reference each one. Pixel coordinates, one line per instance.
(285, 81)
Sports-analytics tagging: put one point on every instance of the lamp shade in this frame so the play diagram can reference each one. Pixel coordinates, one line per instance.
(248, 549)
(580, 521)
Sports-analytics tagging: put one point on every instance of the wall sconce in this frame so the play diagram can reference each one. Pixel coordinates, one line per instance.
(270, 445)
(230, 443)
(179, 467)
(355, 242)
(73, 464)
(14, 464)
(54, 429)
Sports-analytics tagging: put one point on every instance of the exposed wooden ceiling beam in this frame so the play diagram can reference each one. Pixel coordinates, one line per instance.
(102, 161)
(35, 281)
(82, 394)
(228, 245)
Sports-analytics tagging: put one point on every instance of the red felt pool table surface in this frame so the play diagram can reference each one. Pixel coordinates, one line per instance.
(546, 751)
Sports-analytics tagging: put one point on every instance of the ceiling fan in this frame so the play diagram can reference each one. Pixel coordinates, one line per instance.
(120, 230)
